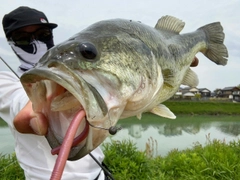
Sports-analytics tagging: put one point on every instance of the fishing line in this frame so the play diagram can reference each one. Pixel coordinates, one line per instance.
(9, 66)
(112, 130)
(106, 171)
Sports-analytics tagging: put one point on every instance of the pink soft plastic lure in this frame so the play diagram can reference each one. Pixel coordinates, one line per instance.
(67, 144)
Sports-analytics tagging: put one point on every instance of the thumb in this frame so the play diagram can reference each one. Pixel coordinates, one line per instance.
(28, 121)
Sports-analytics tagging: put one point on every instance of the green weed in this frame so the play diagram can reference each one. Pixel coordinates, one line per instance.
(216, 160)
(9, 168)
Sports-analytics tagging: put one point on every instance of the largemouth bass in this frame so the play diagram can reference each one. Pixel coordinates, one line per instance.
(115, 69)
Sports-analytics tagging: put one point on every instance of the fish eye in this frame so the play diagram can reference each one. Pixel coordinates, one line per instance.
(88, 51)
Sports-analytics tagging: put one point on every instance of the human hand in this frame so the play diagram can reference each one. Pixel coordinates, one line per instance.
(28, 121)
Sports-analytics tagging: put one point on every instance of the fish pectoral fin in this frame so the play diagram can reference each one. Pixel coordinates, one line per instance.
(170, 23)
(164, 111)
(190, 78)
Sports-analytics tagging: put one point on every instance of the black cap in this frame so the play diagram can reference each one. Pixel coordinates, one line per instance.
(24, 16)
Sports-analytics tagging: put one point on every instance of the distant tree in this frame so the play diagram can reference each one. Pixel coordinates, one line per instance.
(238, 86)
(198, 95)
(218, 92)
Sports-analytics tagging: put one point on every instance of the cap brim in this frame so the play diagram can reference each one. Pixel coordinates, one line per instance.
(50, 25)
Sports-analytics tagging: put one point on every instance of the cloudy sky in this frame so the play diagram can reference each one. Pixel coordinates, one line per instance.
(74, 15)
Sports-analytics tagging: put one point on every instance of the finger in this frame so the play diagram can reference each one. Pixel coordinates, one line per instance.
(39, 124)
(27, 121)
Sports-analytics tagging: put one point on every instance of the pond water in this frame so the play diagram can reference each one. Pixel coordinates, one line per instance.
(181, 133)
(6, 140)
(163, 134)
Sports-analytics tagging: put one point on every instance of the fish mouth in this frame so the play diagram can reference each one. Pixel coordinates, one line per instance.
(57, 96)
(64, 107)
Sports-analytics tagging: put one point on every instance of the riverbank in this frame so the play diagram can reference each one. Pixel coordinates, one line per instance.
(203, 107)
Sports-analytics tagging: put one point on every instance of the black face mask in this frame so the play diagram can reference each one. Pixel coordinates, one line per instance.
(31, 48)
(30, 54)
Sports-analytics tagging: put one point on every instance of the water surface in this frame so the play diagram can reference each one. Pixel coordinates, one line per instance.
(6, 140)
(181, 133)
(166, 134)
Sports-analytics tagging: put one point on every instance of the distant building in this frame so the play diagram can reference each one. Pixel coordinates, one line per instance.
(194, 90)
(205, 93)
(190, 93)
(236, 96)
(231, 93)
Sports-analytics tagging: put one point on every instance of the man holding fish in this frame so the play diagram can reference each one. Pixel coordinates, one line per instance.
(111, 70)
(30, 35)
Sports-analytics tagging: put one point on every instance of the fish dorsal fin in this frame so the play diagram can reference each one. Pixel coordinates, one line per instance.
(164, 111)
(190, 78)
(170, 23)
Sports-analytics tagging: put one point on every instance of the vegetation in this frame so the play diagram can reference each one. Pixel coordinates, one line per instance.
(203, 107)
(9, 168)
(2, 123)
(216, 160)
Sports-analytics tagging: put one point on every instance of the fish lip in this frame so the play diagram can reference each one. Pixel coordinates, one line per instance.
(44, 74)
(75, 146)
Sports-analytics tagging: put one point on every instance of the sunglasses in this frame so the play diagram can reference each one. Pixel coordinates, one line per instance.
(25, 38)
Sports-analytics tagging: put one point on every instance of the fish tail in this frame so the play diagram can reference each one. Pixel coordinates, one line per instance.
(216, 50)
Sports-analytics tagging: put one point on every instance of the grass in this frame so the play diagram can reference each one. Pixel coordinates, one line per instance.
(203, 107)
(9, 168)
(216, 160)
(2, 123)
